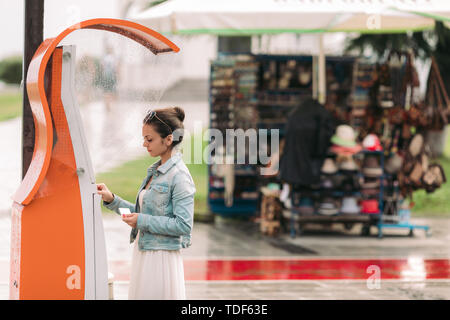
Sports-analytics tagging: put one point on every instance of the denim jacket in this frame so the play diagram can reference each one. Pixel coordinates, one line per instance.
(166, 218)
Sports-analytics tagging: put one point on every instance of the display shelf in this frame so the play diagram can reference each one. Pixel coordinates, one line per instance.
(404, 225)
(226, 112)
(368, 219)
(340, 217)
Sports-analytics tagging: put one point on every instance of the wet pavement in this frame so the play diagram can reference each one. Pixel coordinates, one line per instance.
(232, 260)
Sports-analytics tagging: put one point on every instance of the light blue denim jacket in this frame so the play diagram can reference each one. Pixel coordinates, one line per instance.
(167, 215)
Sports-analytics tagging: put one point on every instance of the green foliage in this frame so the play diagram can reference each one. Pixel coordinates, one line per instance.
(154, 3)
(382, 43)
(10, 105)
(11, 70)
(442, 53)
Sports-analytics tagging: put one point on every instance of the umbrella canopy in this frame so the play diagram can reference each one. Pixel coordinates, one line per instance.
(247, 17)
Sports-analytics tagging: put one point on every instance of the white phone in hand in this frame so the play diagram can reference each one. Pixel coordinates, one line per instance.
(124, 211)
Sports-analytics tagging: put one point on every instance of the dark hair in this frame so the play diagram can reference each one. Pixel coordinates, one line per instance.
(167, 121)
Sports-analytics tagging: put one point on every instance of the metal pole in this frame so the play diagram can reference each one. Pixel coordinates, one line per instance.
(33, 37)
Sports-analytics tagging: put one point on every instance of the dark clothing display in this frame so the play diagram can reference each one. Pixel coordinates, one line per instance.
(308, 132)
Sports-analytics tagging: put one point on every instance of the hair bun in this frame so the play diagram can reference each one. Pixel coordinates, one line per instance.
(180, 113)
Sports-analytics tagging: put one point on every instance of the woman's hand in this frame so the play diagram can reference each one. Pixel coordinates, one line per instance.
(107, 195)
(131, 219)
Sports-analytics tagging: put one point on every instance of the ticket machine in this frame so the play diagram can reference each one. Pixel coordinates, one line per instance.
(57, 239)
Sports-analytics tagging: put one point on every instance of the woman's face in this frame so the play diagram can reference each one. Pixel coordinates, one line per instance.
(153, 142)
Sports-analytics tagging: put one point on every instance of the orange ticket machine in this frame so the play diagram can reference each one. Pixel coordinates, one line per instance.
(57, 241)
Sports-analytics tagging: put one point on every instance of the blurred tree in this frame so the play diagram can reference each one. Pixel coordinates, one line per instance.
(154, 3)
(425, 44)
(11, 70)
(380, 44)
(442, 52)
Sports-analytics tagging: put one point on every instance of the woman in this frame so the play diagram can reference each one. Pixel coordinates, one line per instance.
(162, 217)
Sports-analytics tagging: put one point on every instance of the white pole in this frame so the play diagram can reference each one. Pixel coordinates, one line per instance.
(314, 74)
(322, 71)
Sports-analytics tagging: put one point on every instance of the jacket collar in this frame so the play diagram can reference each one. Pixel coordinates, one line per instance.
(166, 166)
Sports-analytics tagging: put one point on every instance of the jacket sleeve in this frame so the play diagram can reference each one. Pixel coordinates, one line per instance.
(117, 203)
(183, 211)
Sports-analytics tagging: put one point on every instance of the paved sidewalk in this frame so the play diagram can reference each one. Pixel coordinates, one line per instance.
(235, 241)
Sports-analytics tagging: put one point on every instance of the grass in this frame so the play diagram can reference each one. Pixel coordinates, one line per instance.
(126, 179)
(10, 106)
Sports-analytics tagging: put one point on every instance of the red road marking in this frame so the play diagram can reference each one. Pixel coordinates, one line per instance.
(295, 269)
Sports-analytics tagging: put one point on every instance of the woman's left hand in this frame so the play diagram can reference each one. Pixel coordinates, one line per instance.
(131, 219)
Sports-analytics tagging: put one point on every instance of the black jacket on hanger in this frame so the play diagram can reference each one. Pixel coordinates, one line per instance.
(308, 133)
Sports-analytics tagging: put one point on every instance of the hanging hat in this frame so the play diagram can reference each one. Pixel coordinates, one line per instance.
(371, 167)
(394, 164)
(349, 205)
(328, 207)
(416, 144)
(348, 151)
(326, 183)
(371, 183)
(348, 165)
(329, 167)
(369, 206)
(344, 136)
(372, 143)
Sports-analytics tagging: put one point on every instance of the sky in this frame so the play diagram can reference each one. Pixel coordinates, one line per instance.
(58, 15)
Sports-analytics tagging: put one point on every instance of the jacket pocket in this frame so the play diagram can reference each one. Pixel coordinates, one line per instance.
(159, 195)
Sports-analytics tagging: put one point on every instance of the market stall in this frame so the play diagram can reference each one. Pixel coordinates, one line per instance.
(355, 159)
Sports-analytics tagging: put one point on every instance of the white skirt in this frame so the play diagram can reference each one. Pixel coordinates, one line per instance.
(156, 275)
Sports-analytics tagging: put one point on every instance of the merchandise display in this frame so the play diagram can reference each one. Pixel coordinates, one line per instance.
(355, 159)
(233, 187)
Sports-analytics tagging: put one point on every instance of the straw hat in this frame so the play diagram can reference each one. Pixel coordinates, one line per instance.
(348, 165)
(347, 151)
(371, 167)
(328, 207)
(344, 136)
(329, 167)
(349, 206)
